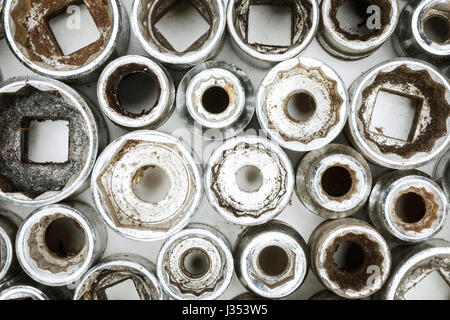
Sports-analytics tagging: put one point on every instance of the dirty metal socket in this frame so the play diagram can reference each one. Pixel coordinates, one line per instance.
(304, 24)
(442, 173)
(195, 264)
(426, 89)
(216, 100)
(248, 296)
(364, 265)
(326, 295)
(108, 93)
(253, 204)
(333, 182)
(116, 269)
(408, 206)
(57, 244)
(412, 264)
(9, 223)
(271, 260)
(347, 44)
(124, 164)
(24, 100)
(147, 13)
(307, 82)
(23, 288)
(33, 43)
(414, 39)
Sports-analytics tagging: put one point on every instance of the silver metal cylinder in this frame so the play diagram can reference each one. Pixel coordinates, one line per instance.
(266, 186)
(408, 206)
(333, 182)
(123, 166)
(377, 20)
(315, 90)
(9, 223)
(350, 257)
(147, 13)
(30, 100)
(414, 36)
(115, 270)
(57, 244)
(23, 288)
(424, 137)
(31, 40)
(442, 173)
(412, 264)
(216, 100)
(195, 264)
(271, 260)
(304, 24)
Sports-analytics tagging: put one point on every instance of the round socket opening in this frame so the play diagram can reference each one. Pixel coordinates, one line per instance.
(215, 100)
(151, 184)
(273, 261)
(64, 237)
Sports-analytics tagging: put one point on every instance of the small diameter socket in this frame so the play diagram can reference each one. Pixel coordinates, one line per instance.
(271, 260)
(408, 206)
(304, 23)
(367, 26)
(442, 173)
(115, 270)
(23, 288)
(36, 102)
(30, 37)
(249, 180)
(423, 31)
(302, 104)
(333, 182)
(350, 257)
(416, 97)
(146, 15)
(109, 90)
(216, 100)
(9, 223)
(57, 244)
(412, 264)
(195, 264)
(132, 171)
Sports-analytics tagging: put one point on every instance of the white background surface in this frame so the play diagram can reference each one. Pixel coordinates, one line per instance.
(295, 214)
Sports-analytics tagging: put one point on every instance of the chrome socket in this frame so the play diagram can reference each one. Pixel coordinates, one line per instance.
(429, 135)
(123, 165)
(364, 265)
(304, 22)
(326, 295)
(216, 100)
(147, 13)
(57, 244)
(195, 264)
(414, 263)
(36, 47)
(333, 182)
(249, 204)
(442, 173)
(115, 270)
(314, 84)
(271, 260)
(347, 44)
(108, 97)
(23, 288)
(408, 206)
(9, 223)
(24, 182)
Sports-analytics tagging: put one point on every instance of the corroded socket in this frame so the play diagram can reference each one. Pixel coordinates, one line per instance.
(271, 260)
(314, 90)
(442, 173)
(333, 182)
(408, 206)
(117, 269)
(57, 244)
(9, 223)
(350, 257)
(426, 95)
(33, 42)
(195, 264)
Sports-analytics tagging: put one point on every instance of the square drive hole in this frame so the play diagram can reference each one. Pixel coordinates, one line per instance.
(125, 290)
(433, 287)
(182, 25)
(47, 141)
(395, 115)
(270, 25)
(74, 29)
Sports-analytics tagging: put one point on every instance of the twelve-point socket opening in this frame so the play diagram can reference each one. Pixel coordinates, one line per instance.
(249, 178)
(410, 207)
(349, 256)
(195, 263)
(215, 100)
(336, 181)
(301, 106)
(151, 184)
(437, 28)
(64, 237)
(273, 261)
